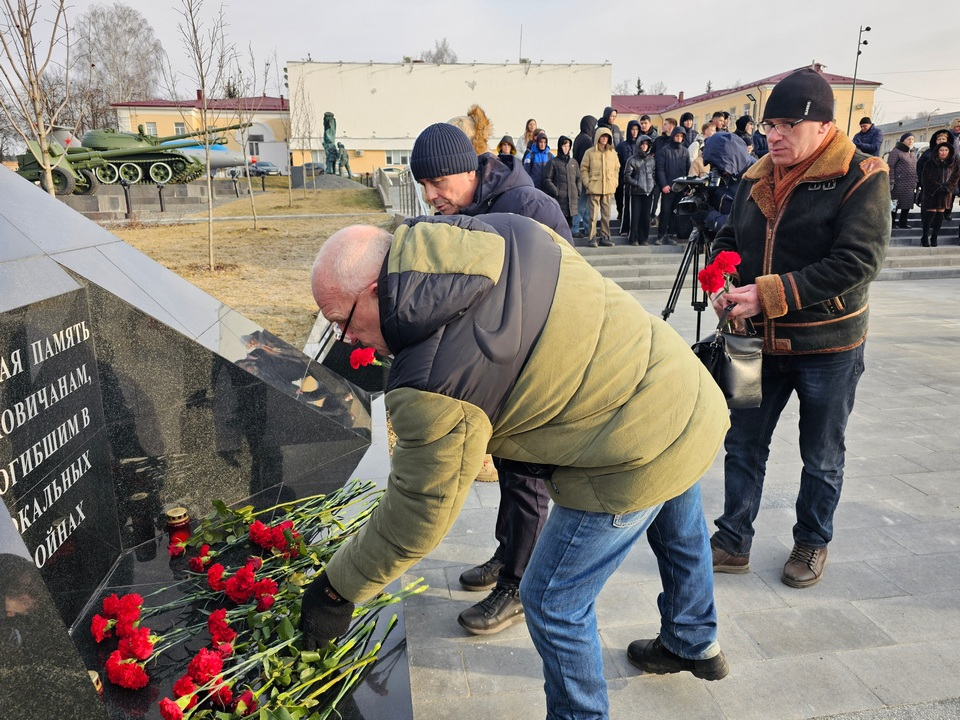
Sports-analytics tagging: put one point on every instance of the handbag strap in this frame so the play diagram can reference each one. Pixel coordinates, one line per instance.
(748, 327)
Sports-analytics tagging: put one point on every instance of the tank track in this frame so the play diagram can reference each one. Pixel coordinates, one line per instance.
(191, 172)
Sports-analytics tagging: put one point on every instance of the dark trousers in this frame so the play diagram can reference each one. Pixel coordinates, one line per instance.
(520, 518)
(667, 224)
(623, 203)
(640, 218)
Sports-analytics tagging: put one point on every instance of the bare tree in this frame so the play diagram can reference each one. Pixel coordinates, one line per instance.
(442, 53)
(622, 88)
(205, 44)
(658, 88)
(249, 82)
(120, 45)
(25, 99)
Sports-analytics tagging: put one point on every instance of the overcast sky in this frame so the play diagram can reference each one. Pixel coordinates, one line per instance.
(914, 54)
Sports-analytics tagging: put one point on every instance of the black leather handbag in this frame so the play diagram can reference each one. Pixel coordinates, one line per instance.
(735, 361)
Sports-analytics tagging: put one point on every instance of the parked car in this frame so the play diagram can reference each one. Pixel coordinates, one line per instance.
(314, 168)
(393, 172)
(263, 167)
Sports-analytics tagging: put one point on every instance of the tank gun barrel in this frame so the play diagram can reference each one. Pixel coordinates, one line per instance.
(208, 131)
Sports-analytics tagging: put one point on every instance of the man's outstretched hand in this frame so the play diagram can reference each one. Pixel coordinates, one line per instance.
(324, 615)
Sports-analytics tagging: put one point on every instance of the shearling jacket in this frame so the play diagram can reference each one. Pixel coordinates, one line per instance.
(476, 312)
(600, 169)
(812, 260)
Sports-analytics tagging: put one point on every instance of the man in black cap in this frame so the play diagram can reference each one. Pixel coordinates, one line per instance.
(811, 223)
(869, 139)
(458, 182)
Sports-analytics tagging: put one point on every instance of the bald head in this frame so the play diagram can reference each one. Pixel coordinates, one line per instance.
(349, 261)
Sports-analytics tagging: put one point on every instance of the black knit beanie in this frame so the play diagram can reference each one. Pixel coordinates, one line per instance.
(804, 94)
(442, 149)
(865, 121)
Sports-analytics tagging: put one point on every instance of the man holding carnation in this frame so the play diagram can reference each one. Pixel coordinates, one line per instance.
(811, 222)
(475, 311)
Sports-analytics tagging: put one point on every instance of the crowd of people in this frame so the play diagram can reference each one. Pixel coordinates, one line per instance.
(604, 166)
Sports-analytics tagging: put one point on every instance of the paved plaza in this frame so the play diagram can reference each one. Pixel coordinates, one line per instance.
(876, 638)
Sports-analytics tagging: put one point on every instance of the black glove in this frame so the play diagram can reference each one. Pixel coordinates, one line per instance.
(324, 615)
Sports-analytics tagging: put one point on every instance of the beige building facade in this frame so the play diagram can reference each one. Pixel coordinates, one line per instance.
(380, 108)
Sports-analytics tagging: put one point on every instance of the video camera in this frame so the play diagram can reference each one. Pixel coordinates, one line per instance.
(694, 191)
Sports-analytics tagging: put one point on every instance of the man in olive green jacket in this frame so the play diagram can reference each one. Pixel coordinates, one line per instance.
(476, 313)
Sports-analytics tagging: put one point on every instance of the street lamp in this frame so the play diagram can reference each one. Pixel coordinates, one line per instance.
(856, 64)
(752, 99)
(927, 128)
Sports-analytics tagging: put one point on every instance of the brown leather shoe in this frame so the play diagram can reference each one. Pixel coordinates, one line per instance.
(805, 566)
(724, 562)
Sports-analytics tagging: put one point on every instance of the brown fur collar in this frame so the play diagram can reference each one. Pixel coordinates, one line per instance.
(834, 161)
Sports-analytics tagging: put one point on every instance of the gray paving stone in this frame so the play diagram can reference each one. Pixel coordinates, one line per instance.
(878, 487)
(791, 689)
(916, 618)
(628, 604)
(868, 513)
(864, 543)
(523, 705)
(922, 574)
(438, 673)
(936, 480)
(842, 582)
(927, 538)
(905, 674)
(801, 631)
(660, 696)
(506, 665)
(928, 509)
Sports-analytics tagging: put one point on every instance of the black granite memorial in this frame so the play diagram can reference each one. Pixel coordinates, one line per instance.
(124, 391)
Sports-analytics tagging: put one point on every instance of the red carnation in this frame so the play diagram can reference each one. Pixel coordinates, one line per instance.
(265, 602)
(727, 261)
(239, 588)
(223, 696)
(219, 629)
(361, 357)
(215, 577)
(184, 686)
(260, 535)
(223, 649)
(255, 562)
(111, 606)
(169, 710)
(101, 628)
(126, 673)
(176, 549)
(205, 666)
(711, 279)
(137, 644)
(246, 703)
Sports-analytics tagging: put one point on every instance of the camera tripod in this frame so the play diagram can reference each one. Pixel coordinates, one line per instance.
(694, 253)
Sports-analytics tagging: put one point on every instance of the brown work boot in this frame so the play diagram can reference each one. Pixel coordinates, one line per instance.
(805, 566)
(724, 562)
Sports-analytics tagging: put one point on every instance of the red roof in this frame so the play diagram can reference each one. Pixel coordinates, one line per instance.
(641, 104)
(262, 103)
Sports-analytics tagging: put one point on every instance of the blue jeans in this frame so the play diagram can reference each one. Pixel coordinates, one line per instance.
(826, 386)
(582, 217)
(576, 554)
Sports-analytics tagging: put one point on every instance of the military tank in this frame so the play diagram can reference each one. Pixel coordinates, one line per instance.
(109, 156)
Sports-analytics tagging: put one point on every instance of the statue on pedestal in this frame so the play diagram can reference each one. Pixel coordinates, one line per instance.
(344, 160)
(330, 142)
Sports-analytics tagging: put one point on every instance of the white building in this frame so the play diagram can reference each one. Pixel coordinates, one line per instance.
(380, 108)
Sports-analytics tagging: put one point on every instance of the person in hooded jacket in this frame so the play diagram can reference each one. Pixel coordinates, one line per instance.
(902, 162)
(599, 172)
(938, 138)
(692, 136)
(759, 144)
(608, 120)
(639, 182)
(562, 179)
(507, 146)
(625, 151)
(672, 162)
(581, 143)
(536, 159)
(937, 184)
(870, 139)
(727, 154)
(744, 131)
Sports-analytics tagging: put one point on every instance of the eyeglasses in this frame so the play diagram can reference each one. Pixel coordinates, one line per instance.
(340, 331)
(783, 128)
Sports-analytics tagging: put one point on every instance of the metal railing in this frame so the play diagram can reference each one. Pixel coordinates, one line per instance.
(412, 203)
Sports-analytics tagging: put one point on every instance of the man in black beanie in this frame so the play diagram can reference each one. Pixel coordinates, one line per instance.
(811, 222)
(869, 140)
(457, 182)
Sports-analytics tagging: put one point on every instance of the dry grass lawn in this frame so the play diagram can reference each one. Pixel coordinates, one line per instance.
(264, 273)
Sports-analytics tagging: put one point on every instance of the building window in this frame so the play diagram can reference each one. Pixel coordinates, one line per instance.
(747, 107)
(179, 128)
(398, 157)
(253, 148)
(150, 128)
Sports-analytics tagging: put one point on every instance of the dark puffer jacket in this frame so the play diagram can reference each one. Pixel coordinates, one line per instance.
(673, 160)
(562, 180)
(939, 180)
(638, 176)
(476, 312)
(506, 187)
(813, 258)
(614, 129)
(903, 176)
(584, 140)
